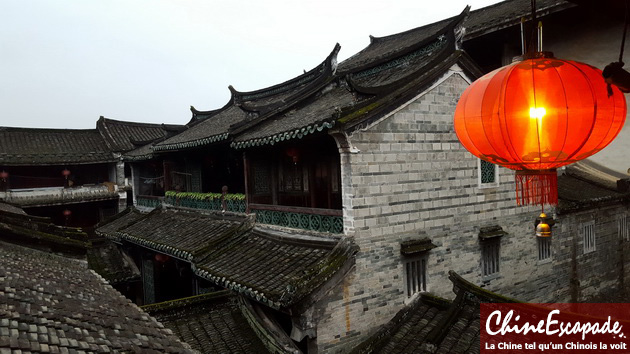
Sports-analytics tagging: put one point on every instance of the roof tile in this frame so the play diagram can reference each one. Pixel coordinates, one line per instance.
(55, 303)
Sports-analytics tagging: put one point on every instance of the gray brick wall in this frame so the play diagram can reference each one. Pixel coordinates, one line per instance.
(413, 178)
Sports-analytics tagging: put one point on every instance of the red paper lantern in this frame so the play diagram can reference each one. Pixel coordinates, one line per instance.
(67, 213)
(4, 175)
(537, 115)
(294, 153)
(65, 172)
(162, 258)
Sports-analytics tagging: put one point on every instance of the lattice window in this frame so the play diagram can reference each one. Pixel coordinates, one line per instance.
(416, 275)
(588, 237)
(544, 248)
(487, 172)
(292, 177)
(490, 257)
(262, 178)
(622, 227)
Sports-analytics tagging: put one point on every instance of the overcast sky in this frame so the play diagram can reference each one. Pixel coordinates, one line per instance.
(65, 63)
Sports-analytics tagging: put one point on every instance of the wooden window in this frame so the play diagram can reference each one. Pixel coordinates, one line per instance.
(293, 177)
(544, 248)
(490, 257)
(588, 237)
(262, 177)
(415, 275)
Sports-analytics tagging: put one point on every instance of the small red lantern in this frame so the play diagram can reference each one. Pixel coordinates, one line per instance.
(294, 153)
(537, 115)
(65, 173)
(162, 258)
(67, 213)
(4, 175)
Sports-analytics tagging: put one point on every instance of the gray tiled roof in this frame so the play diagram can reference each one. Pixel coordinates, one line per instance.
(53, 304)
(180, 233)
(25, 146)
(29, 146)
(383, 68)
(381, 48)
(278, 271)
(582, 184)
(105, 258)
(210, 323)
(508, 13)
(144, 152)
(272, 267)
(382, 80)
(207, 131)
(434, 325)
(314, 116)
(248, 108)
(389, 69)
(124, 136)
(11, 209)
(118, 221)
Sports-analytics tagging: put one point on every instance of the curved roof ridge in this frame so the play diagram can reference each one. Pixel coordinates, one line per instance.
(103, 120)
(493, 17)
(49, 130)
(328, 65)
(383, 49)
(210, 113)
(375, 40)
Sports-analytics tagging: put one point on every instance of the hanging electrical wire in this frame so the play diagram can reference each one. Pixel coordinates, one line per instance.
(613, 73)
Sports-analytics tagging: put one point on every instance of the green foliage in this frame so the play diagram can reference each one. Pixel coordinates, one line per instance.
(204, 196)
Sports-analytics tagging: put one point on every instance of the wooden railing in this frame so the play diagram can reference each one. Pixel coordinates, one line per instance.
(315, 219)
(148, 201)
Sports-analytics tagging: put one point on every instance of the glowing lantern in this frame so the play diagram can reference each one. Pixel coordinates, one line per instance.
(65, 173)
(4, 175)
(67, 213)
(537, 115)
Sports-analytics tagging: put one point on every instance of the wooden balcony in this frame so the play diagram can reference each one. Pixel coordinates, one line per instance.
(32, 197)
(314, 219)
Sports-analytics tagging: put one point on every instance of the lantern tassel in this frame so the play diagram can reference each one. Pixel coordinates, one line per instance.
(537, 187)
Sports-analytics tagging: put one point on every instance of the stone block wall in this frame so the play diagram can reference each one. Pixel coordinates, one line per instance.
(600, 275)
(411, 179)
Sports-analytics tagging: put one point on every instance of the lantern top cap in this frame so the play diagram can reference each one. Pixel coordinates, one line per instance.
(534, 55)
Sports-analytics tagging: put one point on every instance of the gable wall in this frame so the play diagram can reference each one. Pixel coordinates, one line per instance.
(412, 178)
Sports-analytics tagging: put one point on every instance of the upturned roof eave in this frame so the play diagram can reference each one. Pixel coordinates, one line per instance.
(512, 21)
(449, 25)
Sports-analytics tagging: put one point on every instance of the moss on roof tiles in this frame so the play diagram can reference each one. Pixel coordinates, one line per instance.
(26, 146)
(210, 323)
(51, 292)
(432, 324)
(227, 252)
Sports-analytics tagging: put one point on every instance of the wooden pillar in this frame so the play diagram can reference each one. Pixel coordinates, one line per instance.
(311, 170)
(274, 180)
(168, 178)
(246, 172)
